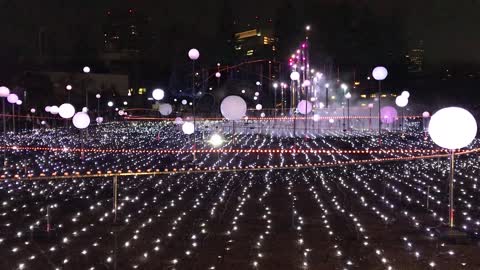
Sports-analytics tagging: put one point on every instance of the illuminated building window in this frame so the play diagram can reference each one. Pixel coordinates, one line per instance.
(142, 91)
(250, 52)
(363, 96)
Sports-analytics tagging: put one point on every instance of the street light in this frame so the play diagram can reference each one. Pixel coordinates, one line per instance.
(348, 96)
(193, 54)
(4, 92)
(379, 73)
(275, 86)
(326, 94)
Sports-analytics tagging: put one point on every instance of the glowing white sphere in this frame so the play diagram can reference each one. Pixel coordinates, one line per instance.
(121, 112)
(32, 110)
(86, 69)
(452, 128)
(99, 120)
(258, 83)
(48, 108)
(331, 120)
(216, 140)
(218, 75)
(401, 101)
(233, 108)
(184, 102)
(348, 95)
(258, 107)
(316, 118)
(380, 73)
(304, 107)
(255, 98)
(178, 121)
(193, 54)
(158, 94)
(54, 110)
(110, 104)
(307, 83)
(81, 120)
(19, 102)
(406, 94)
(43, 122)
(85, 109)
(294, 76)
(68, 87)
(66, 110)
(262, 114)
(321, 105)
(257, 94)
(98, 96)
(188, 128)
(426, 114)
(243, 91)
(12, 98)
(165, 109)
(4, 91)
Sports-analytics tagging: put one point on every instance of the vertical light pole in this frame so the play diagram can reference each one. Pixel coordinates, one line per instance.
(69, 89)
(275, 86)
(379, 73)
(12, 99)
(348, 96)
(326, 95)
(370, 107)
(98, 96)
(4, 92)
(194, 54)
(86, 70)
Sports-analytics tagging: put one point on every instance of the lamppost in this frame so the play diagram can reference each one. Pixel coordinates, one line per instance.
(275, 86)
(348, 96)
(4, 92)
(452, 128)
(86, 70)
(370, 107)
(69, 89)
(379, 73)
(326, 95)
(98, 96)
(194, 54)
(12, 99)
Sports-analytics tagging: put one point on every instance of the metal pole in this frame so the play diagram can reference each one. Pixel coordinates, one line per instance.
(326, 97)
(452, 168)
(13, 116)
(348, 114)
(379, 113)
(115, 198)
(194, 111)
(4, 134)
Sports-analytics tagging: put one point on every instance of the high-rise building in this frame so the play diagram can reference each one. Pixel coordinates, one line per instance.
(256, 42)
(415, 57)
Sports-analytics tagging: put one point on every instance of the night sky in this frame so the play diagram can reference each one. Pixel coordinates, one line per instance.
(449, 28)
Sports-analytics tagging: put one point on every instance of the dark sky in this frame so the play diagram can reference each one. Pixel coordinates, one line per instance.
(450, 28)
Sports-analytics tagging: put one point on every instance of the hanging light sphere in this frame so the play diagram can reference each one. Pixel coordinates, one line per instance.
(262, 115)
(110, 104)
(165, 109)
(32, 110)
(401, 101)
(85, 109)
(98, 96)
(406, 94)
(218, 75)
(68, 87)
(4, 91)
(178, 121)
(243, 91)
(99, 120)
(188, 128)
(216, 140)
(294, 76)
(81, 120)
(193, 54)
(54, 110)
(380, 73)
(19, 102)
(48, 108)
(121, 112)
(233, 108)
(43, 122)
(258, 107)
(331, 120)
(452, 128)
(86, 69)
(184, 102)
(426, 114)
(258, 83)
(388, 114)
(12, 98)
(66, 110)
(158, 94)
(304, 107)
(257, 94)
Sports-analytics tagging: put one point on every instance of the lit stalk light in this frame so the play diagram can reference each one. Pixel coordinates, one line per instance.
(216, 140)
